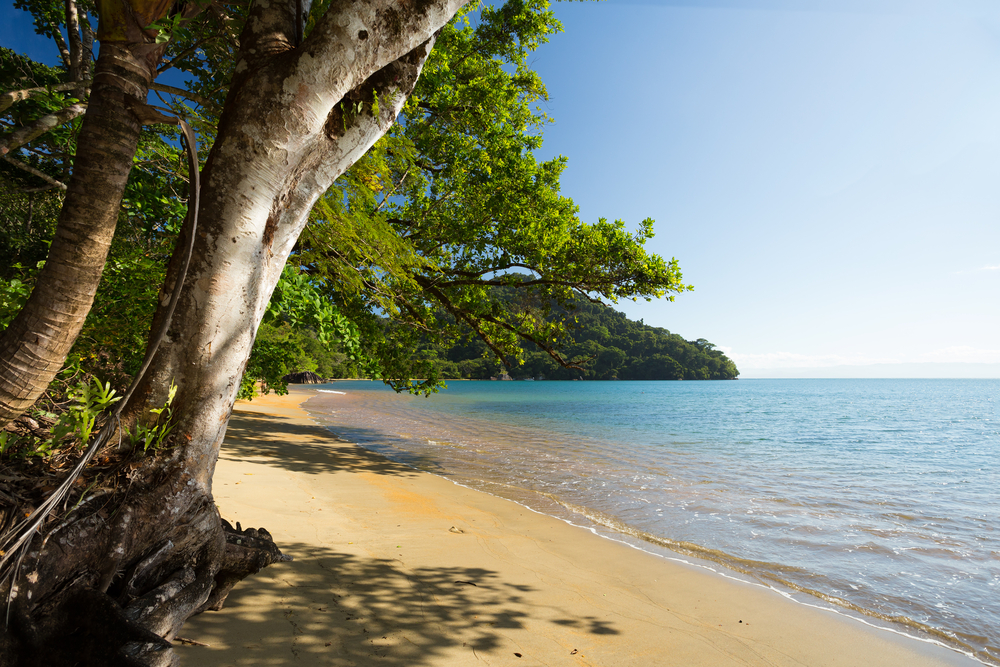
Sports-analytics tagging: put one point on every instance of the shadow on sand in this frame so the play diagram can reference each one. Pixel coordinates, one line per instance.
(334, 608)
(315, 450)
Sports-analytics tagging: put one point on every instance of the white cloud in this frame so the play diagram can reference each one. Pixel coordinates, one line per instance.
(961, 354)
(980, 269)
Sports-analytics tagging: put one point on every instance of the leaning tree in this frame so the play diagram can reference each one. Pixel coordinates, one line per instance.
(450, 210)
(114, 580)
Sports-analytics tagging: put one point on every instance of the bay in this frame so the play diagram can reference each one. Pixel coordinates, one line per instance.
(879, 498)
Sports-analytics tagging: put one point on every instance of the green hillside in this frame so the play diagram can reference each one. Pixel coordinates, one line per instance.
(607, 345)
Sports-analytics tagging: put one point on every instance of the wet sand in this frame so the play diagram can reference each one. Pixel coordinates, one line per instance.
(399, 567)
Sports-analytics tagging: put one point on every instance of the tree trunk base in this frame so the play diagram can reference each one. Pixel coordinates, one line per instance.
(112, 585)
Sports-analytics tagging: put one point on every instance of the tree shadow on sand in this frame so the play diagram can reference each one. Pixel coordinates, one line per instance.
(330, 608)
(311, 449)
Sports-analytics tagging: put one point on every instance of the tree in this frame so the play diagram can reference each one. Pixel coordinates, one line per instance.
(418, 224)
(35, 344)
(288, 129)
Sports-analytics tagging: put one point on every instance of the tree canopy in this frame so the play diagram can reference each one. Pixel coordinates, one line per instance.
(445, 214)
(450, 210)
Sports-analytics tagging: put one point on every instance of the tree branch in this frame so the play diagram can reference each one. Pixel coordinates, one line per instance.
(183, 54)
(473, 279)
(14, 96)
(87, 33)
(395, 186)
(528, 337)
(34, 172)
(226, 21)
(75, 45)
(36, 129)
(60, 44)
(382, 32)
(461, 315)
(197, 99)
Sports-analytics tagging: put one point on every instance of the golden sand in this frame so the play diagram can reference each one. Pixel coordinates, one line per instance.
(398, 567)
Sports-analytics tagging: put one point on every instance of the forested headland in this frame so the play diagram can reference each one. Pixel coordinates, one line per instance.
(606, 345)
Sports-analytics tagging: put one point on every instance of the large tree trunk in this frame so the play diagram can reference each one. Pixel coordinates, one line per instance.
(141, 559)
(284, 136)
(34, 346)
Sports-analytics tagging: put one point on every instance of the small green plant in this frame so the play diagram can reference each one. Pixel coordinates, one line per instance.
(152, 435)
(89, 401)
(14, 293)
(5, 441)
(166, 27)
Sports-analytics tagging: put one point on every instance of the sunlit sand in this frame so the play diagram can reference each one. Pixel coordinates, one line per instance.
(398, 567)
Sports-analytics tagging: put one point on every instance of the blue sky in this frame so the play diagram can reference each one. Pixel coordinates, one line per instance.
(827, 173)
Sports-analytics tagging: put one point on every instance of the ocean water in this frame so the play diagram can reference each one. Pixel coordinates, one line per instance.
(879, 498)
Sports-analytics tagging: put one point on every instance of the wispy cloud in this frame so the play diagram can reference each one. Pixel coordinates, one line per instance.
(961, 354)
(980, 269)
(774, 360)
(797, 360)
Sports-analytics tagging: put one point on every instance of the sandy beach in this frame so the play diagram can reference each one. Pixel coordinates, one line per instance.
(399, 567)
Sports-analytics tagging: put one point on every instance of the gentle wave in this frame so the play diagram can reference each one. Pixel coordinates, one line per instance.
(875, 499)
(767, 574)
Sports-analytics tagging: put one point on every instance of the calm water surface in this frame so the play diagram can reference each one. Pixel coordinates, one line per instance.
(879, 496)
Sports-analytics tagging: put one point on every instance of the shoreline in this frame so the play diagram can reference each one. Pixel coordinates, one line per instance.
(408, 568)
(719, 563)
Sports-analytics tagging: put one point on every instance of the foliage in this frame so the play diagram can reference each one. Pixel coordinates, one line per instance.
(6, 440)
(52, 152)
(50, 15)
(152, 435)
(442, 216)
(298, 332)
(274, 355)
(88, 400)
(28, 207)
(608, 344)
(298, 302)
(75, 426)
(14, 292)
(619, 348)
(410, 254)
(112, 342)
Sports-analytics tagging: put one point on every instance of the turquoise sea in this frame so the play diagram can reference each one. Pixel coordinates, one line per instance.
(879, 498)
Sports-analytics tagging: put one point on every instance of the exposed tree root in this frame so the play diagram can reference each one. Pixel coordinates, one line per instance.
(124, 571)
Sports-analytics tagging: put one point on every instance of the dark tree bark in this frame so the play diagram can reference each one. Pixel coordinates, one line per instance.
(34, 346)
(141, 557)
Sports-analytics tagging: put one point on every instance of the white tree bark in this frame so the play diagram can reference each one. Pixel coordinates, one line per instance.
(282, 141)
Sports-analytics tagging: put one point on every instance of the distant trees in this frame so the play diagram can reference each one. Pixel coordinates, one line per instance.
(606, 345)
